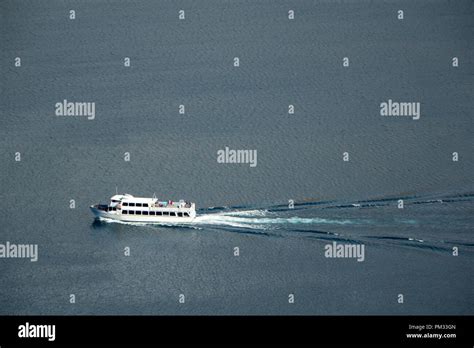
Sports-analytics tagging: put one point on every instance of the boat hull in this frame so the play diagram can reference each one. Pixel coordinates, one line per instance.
(101, 214)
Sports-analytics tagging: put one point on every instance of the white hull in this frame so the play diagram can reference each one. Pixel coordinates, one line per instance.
(140, 218)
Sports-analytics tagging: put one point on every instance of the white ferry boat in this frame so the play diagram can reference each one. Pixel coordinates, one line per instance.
(139, 209)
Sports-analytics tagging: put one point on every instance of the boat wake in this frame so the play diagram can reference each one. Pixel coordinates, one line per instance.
(379, 221)
(262, 219)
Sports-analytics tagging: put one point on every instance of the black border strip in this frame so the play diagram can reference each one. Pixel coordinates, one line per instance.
(133, 330)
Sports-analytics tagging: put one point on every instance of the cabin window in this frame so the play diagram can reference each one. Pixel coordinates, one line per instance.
(132, 204)
(145, 204)
(152, 213)
(166, 213)
(131, 212)
(125, 204)
(180, 214)
(173, 214)
(138, 204)
(115, 201)
(186, 214)
(145, 213)
(159, 213)
(124, 211)
(138, 212)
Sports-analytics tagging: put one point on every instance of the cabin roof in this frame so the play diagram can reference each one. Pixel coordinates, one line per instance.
(130, 198)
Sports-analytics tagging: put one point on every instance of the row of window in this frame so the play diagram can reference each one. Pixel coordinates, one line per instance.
(127, 204)
(158, 213)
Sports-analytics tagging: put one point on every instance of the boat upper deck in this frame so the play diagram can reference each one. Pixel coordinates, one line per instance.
(127, 200)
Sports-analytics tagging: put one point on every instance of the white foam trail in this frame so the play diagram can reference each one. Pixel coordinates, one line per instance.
(256, 219)
(255, 212)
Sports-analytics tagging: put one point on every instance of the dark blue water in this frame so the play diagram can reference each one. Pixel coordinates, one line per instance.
(408, 251)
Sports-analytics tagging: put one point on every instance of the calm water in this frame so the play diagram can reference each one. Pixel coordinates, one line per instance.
(282, 62)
